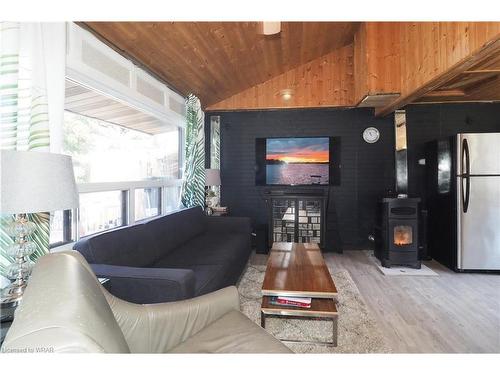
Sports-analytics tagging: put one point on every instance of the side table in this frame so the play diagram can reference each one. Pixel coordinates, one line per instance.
(7, 316)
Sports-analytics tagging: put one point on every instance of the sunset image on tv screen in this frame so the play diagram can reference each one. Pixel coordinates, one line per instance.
(297, 161)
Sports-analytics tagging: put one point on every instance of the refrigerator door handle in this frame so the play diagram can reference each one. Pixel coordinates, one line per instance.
(465, 158)
(465, 176)
(465, 193)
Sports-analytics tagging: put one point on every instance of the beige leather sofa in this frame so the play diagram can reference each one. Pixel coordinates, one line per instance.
(65, 309)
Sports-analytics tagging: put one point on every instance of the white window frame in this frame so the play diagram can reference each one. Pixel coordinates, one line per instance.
(129, 188)
(78, 71)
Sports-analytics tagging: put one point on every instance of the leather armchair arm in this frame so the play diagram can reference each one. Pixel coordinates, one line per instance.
(158, 328)
(147, 285)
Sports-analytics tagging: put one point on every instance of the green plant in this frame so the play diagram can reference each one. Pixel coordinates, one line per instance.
(193, 187)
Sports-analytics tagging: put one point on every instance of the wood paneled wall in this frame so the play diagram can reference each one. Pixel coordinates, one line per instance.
(327, 81)
(377, 64)
(386, 58)
(360, 61)
(405, 56)
(428, 49)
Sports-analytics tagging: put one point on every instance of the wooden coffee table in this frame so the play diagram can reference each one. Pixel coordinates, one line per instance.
(299, 270)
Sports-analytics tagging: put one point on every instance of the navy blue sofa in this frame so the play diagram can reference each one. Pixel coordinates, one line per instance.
(173, 257)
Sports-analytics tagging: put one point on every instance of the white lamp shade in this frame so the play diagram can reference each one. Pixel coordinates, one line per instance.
(212, 177)
(33, 182)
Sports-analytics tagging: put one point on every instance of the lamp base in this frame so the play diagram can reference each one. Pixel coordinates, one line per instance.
(21, 228)
(12, 295)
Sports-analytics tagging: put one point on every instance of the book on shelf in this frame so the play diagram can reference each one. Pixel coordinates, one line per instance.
(219, 209)
(303, 302)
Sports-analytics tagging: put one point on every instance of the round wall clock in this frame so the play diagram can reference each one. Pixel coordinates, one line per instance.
(371, 135)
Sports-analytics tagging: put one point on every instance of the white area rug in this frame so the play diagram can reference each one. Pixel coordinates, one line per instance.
(358, 331)
(400, 271)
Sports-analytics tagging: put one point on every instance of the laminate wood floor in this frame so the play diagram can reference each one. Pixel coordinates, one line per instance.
(451, 313)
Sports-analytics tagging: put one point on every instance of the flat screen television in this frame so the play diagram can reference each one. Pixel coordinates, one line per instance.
(297, 161)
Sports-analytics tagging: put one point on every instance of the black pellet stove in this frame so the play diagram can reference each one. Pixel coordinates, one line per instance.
(396, 232)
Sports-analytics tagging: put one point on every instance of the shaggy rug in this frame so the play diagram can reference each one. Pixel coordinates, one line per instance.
(357, 330)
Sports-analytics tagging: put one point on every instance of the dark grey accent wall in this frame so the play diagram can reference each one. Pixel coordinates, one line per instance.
(367, 169)
(429, 122)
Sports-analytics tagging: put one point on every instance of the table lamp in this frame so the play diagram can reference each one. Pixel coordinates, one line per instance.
(212, 178)
(31, 182)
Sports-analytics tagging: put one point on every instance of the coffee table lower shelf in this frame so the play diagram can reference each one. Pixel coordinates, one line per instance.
(321, 308)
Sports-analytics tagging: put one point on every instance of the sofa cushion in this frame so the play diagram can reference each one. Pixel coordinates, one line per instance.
(170, 231)
(208, 249)
(208, 278)
(232, 333)
(181, 239)
(130, 246)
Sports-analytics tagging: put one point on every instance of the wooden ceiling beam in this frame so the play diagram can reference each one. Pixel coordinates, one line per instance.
(487, 91)
(482, 71)
(446, 93)
(485, 52)
(479, 85)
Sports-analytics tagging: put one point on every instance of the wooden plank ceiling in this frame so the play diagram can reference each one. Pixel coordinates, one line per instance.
(216, 60)
(326, 81)
(386, 65)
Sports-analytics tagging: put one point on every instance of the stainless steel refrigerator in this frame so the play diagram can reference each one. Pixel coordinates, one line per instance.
(463, 201)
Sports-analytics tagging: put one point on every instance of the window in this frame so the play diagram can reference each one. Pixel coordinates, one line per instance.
(101, 211)
(57, 228)
(171, 199)
(147, 203)
(61, 227)
(105, 152)
(124, 131)
(124, 175)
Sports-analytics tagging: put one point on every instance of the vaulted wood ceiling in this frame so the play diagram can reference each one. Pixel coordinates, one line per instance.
(386, 65)
(216, 60)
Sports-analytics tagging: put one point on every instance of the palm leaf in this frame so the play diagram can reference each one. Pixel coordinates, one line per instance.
(5, 241)
(193, 187)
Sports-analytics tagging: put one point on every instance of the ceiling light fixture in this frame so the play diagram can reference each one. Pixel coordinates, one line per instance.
(270, 28)
(286, 94)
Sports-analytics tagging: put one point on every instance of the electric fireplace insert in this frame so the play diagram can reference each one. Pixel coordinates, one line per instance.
(396, 232)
